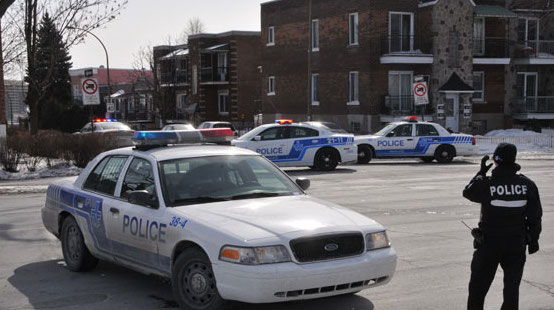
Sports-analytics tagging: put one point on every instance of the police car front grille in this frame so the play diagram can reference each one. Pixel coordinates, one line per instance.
(332, 288)
(327, 247)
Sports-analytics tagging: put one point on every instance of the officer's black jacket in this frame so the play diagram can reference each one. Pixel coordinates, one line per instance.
(510, 203)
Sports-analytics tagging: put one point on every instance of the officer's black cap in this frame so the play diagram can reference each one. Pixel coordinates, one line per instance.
(505, 153)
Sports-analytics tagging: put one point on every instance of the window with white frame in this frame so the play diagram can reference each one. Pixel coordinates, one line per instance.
(271, 86)
(479, 36)
(181, 102)
(401, 95)
(353, 90)
(401, 32)
(528, 32)
(353, 29)
(271, 36)
(479, 86)
(315, 35)
(223, 102)
(315, 89)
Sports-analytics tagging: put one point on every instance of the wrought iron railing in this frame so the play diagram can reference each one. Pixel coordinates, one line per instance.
(400, 104)
(214, 74)
(536, 48)
(539, 104)
(406, 45)
(491, 48)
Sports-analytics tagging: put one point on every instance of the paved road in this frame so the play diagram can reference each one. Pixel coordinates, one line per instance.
(420, 204)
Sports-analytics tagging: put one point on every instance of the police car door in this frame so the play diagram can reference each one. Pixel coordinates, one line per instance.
(398, 142)
(137, 229)
(97, 198)
(275, 144)
(427, 139)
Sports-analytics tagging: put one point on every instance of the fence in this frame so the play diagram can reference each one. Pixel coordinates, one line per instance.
(542, 140)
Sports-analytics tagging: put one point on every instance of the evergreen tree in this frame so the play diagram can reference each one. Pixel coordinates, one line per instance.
(52, 66)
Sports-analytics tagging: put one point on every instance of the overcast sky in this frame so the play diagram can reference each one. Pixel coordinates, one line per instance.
(150, 22)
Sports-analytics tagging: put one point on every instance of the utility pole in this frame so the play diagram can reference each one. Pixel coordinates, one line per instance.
(310, 40)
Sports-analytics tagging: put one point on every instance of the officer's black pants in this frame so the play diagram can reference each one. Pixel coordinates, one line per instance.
(509, 252)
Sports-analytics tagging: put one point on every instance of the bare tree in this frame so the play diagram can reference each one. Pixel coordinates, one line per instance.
(73, 18)
(193, 26)
(4, 5)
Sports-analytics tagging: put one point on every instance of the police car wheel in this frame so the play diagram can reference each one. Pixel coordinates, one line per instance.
(75, 252)
(193, 281)
(364, 154)
(444, 154)
(326, 160)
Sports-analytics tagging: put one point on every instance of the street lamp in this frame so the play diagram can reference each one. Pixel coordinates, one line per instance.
(107, 58)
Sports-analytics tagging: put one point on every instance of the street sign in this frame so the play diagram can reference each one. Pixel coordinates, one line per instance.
(110, 107)
(89, 88)
(88, 73)
(421, 93)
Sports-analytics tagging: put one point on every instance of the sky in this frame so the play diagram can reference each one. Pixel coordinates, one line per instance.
(150, 22)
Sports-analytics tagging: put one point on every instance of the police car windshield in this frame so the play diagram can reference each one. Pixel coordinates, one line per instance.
(385, 130)
(113, 126)
(220, 178)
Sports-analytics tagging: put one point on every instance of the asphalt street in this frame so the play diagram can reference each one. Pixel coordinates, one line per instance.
(420, 204)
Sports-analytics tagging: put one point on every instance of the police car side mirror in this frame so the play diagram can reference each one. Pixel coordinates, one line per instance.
(143, 198)
(257, 138)
(304, 183)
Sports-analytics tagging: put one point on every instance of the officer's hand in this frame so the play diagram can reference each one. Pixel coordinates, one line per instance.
(533, 247)
(484, 167)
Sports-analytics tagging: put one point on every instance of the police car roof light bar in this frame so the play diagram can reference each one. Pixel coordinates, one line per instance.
(284, 121)
(412, 119)
(104, 120)
(163, 138)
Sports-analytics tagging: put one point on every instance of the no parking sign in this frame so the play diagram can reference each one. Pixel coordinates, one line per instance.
(89, 88)
(421, 93)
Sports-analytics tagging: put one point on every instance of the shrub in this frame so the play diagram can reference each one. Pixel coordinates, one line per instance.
(11, 152)
(83, 148)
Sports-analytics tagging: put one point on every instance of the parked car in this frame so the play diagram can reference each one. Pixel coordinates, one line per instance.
(208, 125)
(183, 126)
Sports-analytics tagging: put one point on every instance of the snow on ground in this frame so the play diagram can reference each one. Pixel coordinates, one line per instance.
(530, 144)
(57, 169)
(511, 133)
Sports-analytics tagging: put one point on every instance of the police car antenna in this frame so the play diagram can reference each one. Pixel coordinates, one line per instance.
(466, 225)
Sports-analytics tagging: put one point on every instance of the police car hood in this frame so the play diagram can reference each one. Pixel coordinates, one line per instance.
(366, 137)
(290, 216)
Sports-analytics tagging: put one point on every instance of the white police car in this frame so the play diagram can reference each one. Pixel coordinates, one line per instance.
(289, 144)
(411, 138)
(222, 222)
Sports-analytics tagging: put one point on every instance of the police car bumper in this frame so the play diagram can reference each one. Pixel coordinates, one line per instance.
(467, 150)
(349, 155)
(291, 281)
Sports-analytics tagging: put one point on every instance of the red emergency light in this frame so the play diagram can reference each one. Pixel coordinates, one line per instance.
(412, 119)
(284, 121)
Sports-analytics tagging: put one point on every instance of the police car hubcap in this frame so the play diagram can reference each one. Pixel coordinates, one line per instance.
(198, 284)
(74, 243)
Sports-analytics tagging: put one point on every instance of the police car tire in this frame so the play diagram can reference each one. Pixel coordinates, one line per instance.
(444, 154)
(192, 263)
(367, 154)
(326, 159)
(76, 255)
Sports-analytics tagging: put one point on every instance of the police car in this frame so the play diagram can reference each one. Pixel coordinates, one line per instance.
(289, 144)
(222, 222)
(412, 138)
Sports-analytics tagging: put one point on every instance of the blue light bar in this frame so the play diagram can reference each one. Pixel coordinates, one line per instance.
(162, 138)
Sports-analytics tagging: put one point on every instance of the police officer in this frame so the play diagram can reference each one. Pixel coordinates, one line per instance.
(510, 219)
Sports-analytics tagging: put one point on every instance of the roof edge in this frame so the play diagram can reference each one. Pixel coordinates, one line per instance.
(225, 34)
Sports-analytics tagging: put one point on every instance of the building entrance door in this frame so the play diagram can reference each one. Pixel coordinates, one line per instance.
(452, 112)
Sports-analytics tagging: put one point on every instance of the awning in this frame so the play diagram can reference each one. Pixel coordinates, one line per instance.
(118, 93)
(493, 11)
(176, 53)
(217, 48)
(456, 85)
(191, 108)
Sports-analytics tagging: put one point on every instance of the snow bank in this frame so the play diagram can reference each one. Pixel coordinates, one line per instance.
(527, 142)
(42, 171)
(511, 133)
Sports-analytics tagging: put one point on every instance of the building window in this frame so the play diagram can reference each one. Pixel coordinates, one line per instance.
(270, 36)
(454, 54)
(181, 102)
(353, 93)
(315, 89)
(401, 32)
(271, 86)
(479, 36)
(401, 96)
(479, 86)
(355, 127)
(528, 32)
(353, 29)
(315, 35)
(223, 102)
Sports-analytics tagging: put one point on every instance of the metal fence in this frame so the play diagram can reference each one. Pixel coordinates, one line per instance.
(542, 140)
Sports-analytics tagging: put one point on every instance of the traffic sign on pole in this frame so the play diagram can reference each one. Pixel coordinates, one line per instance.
(89, 88)
(421, 93)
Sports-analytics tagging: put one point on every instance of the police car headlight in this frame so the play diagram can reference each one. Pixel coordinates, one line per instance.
(377, 240)
(255, 256)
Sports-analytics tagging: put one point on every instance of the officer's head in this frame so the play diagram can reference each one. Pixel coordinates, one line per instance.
(505, 154)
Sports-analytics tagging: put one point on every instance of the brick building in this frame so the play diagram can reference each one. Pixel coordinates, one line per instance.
(215, 77)
(354, 62)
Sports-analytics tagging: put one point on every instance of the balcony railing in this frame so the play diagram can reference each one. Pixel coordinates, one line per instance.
(176, 77)
(139, 115)
(406, 45)
(539, 104)
(400, 104)
(536, 48)
(214, 74)
(491, 48)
